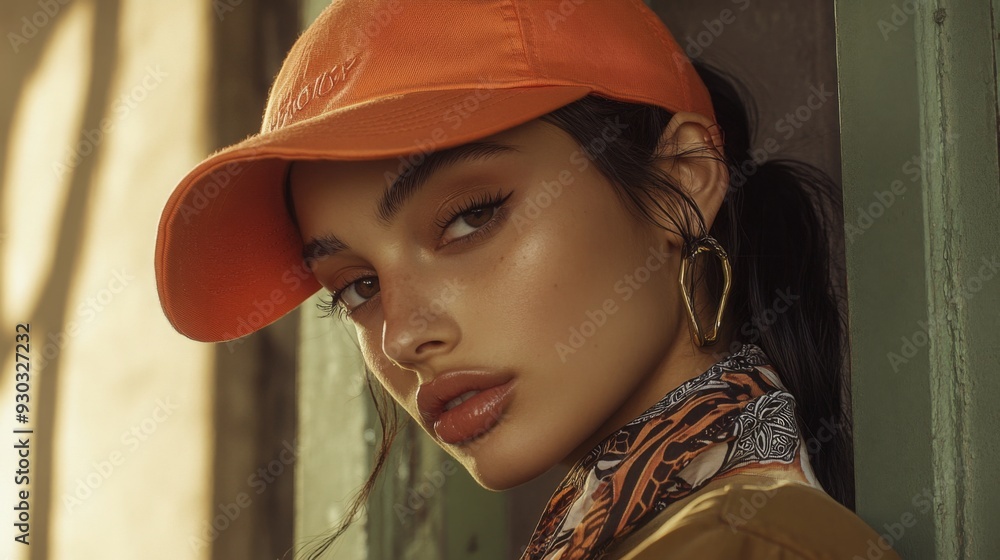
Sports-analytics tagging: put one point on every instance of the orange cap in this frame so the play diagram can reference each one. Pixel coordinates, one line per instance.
(377, 79)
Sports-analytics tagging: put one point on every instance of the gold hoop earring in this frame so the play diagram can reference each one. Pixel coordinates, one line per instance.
(705, 244)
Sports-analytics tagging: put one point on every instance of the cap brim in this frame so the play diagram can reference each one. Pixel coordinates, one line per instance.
(229, 258)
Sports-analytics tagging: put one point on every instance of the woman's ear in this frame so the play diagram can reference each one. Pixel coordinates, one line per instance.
(703, 173)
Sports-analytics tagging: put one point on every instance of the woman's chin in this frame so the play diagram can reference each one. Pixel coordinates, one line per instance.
(504, 467)
(500, 480)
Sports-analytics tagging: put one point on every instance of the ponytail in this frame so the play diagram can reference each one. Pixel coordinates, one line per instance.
(776, 224)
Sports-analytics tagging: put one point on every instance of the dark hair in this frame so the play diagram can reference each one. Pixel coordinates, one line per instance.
(774, 224)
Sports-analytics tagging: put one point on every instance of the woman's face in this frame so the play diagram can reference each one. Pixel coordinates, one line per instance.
(516, 261)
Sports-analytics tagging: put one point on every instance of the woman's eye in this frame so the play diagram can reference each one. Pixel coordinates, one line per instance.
(358, 292)
(470, 221)
(475, 219)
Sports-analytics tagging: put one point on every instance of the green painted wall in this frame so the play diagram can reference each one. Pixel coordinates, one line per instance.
(919, 134)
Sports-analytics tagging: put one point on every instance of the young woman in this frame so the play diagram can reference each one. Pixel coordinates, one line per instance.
(551, 253)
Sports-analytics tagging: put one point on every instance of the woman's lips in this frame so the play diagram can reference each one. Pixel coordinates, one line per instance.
(472, 417)
(475, 416)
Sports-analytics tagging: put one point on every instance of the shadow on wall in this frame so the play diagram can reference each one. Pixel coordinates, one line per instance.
(22, 61)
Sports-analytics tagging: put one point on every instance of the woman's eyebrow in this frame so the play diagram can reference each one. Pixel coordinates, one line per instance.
(413, 177)
(404, 186)
(322, 247)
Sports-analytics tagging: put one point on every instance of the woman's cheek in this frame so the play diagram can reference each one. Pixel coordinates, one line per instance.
(378, 362)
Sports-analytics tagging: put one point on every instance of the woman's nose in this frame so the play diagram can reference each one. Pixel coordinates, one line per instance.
(418, 321)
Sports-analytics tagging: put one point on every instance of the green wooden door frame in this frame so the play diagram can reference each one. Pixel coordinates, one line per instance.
(918, 93)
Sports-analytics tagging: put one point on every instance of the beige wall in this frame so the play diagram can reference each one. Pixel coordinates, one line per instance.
(121, 404)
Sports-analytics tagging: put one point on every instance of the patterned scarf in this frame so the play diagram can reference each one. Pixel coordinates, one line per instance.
(735, 416)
